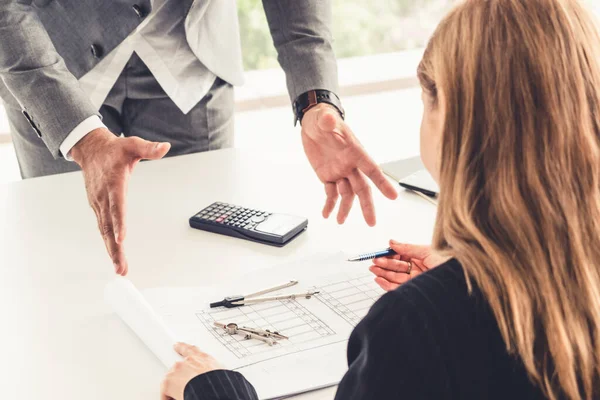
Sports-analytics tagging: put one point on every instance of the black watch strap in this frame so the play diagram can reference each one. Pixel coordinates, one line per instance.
(308, 100)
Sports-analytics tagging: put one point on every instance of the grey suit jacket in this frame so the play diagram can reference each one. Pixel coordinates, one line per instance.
(47, 45)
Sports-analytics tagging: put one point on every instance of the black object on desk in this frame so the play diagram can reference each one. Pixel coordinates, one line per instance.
(418, 179)
(245, 223)
(421, 182)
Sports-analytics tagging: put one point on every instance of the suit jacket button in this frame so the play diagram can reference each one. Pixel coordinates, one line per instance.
(97, 51)
(139, 11)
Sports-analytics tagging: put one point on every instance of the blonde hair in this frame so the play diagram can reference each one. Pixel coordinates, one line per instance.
(520, 176)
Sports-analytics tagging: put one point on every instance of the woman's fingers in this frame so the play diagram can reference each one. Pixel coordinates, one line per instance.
(410, 250)
(391, 276)
(392, 264)
(185, 349)
(386, 285)
(390, 280)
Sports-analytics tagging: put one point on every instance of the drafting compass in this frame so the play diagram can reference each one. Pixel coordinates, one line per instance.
(238, 301)
(263, 335)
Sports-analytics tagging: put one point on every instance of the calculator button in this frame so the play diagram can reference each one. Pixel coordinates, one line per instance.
(257, 219)
(212, 218)
(249, 226)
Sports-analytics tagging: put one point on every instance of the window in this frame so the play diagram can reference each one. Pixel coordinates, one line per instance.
(360, 28)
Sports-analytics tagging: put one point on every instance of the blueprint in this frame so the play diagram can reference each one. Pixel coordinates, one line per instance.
(318, 328)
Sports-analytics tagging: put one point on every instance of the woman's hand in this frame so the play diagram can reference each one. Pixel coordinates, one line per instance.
(410, 261)
(194, 363)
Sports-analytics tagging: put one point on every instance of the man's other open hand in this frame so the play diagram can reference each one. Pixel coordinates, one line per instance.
(341, 163)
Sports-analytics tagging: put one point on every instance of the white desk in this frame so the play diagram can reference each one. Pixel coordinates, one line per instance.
(59, 340)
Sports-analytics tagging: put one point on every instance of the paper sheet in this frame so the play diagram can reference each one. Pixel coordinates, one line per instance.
(318, 328)
(129, 304)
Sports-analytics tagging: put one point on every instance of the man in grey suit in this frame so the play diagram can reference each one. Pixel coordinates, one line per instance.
(101, 85)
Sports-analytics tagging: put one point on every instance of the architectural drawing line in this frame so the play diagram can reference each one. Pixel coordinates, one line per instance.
(302, 326)
(344, 297)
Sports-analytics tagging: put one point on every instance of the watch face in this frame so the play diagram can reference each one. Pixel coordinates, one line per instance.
(279, 224)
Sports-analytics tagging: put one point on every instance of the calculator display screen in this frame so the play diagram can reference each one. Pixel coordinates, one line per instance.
(279, 224)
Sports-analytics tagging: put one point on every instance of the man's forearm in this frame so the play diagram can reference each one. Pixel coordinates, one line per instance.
(301, 33)
(37, 77)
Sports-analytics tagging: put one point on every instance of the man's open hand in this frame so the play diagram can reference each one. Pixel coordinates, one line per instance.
(341, 163)
(107, 162)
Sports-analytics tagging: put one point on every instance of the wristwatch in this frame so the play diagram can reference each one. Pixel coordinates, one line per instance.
(308, 100)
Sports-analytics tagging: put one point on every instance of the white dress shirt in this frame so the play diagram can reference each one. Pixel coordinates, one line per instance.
(160, 41)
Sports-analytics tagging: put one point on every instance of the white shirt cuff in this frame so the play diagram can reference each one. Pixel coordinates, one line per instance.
(79, 133)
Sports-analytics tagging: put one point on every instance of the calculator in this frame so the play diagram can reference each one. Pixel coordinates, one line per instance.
(250, 224)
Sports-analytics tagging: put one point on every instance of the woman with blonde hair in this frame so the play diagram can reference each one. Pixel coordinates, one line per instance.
(511, 131)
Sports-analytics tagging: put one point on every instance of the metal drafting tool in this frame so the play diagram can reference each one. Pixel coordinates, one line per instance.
(238, 301)
(263, 335)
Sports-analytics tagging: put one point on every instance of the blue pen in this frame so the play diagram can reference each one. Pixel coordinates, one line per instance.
(370, 256)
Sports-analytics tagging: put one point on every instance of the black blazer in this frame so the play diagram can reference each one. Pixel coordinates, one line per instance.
(429, 339)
